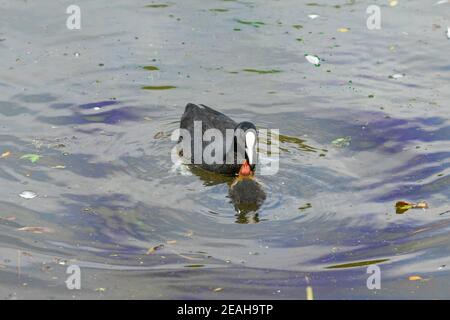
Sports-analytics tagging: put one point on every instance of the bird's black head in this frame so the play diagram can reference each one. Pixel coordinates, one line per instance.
(246, 141)
(245, 125)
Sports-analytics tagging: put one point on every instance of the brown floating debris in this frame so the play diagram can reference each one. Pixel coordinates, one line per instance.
(155, 248)
(36, 229)
(159, 135)
(403, 206)
(11, 218)
(5, 155)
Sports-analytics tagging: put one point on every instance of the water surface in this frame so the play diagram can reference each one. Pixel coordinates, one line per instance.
(98, 106)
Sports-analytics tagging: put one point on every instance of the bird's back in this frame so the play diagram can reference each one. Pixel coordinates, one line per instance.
(209, 117)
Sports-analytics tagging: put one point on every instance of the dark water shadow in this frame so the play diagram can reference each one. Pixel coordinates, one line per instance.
(12, 109)
(106, 112)
(111, 117)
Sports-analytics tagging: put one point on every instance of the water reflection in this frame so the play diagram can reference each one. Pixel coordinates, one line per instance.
(104, 179)
(209, 178)
(247, 196)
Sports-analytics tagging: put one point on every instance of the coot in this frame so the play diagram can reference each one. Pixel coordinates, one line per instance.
(246, 192)
(241, 147)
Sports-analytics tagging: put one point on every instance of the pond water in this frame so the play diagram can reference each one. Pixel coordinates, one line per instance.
(94, 109)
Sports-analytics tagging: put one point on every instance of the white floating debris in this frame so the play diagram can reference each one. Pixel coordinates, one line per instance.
(96, 108)
(315, 60)
(441, 2)
(448, 32)
(313, 16)
(396, 76)
(28, 195)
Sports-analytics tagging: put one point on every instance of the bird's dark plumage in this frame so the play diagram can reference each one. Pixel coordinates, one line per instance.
(212, 119)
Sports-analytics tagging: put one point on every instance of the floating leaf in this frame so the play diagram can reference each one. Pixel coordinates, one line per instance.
(297, 26)
(36, 229)
(5, 155)
(100, 290)
(218, 10)
(342, 142)
(150, 68)
(403, 206)
(415, 278)
(194, 266)
(299, 143)
(262, 71)
(217, 289)
(396, 76)
(59, 167)
(32, 157)
(356, 264)
(315, 60)
(28, 195)
(158, 87)
(171, 241)
(343, 29)
(306, 206)
(160, 5)
(155, 248)
(255, 24)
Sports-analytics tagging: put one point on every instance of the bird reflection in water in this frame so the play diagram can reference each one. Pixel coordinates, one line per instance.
(246, 193)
